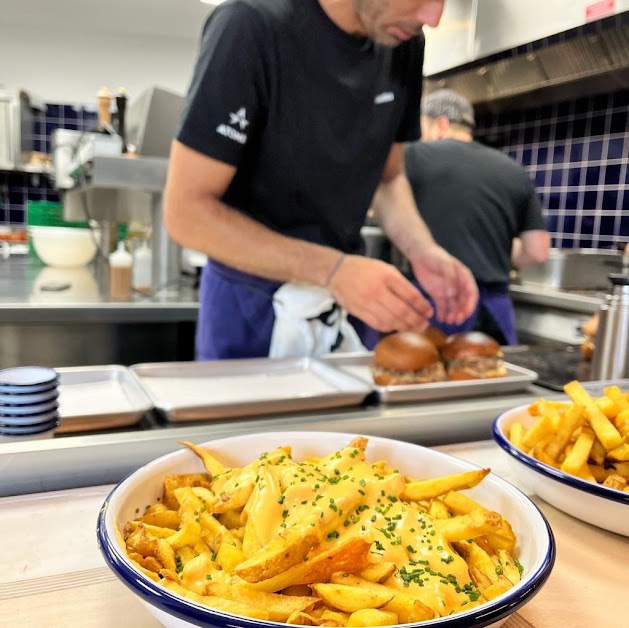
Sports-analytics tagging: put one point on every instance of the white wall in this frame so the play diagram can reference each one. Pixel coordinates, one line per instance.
(67, 66)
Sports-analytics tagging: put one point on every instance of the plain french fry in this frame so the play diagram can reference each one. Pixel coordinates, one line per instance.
(604, 429)
(211, 464)
(570, 420)
(578, 456)
(516, 435)
(429, 489)
(617, 396)
(620, 453)
(542, 429)
(372, 617)
(350, 599)
(615, 481)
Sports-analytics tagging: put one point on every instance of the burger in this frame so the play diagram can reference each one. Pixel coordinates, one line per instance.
(473, 355)
(436, 336)
(407, 358)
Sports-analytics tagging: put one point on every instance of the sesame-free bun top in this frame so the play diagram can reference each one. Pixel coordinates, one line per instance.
(473, 344)
(405, 351)
(435, 335)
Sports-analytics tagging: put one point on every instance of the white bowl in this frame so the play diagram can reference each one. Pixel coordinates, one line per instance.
(598, 505)
(535, 540)
(64, 247)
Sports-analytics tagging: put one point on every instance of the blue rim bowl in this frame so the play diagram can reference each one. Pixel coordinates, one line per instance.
(598, 505)
(535, 538)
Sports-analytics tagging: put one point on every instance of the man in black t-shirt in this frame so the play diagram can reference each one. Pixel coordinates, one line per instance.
(296, 115)
(479, 205)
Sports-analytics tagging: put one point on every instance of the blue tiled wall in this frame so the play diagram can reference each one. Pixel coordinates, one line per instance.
(577, 152)
(16, 188)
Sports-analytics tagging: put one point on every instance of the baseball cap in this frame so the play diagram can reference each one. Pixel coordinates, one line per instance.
(451, 105)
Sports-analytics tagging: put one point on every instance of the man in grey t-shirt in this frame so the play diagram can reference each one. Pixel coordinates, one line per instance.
(479, 205)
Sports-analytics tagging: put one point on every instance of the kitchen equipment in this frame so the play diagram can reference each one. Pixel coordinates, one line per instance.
(611, 353)
(598, 505)
(574, 269)
(121, 104)
(196, 391)
(358, 365)
(536, 544)
(99, 397)
(64, 247)
(152, 121)
(16, 128)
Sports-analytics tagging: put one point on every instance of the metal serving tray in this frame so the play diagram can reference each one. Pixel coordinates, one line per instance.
(358, 365)
(196, 391)
(99, 397)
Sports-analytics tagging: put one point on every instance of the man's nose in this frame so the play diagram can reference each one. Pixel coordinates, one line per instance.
(429, 12)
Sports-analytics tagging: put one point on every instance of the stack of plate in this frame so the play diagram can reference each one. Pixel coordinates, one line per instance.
(28, 402)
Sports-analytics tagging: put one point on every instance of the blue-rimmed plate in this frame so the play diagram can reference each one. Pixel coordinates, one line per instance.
(28, 376)
(23, 430)
(598, 505)
(38, 408)
(29, 400)
(29, 419)
(535, 550)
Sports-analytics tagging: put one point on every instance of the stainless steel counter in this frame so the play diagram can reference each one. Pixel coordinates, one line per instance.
(26, 297)
(76, 461)
(584, 302)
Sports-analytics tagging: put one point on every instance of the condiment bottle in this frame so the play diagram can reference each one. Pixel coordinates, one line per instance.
(142, 268)
(104, 98)
(120, 268)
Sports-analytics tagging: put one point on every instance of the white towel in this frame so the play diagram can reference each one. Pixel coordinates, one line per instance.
(301, 330)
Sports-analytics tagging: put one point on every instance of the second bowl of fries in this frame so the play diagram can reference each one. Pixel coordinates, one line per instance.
(323, 529)
(574, 454)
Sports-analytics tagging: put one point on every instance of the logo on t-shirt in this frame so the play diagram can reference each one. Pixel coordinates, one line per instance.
(384, 97)
(235, 119)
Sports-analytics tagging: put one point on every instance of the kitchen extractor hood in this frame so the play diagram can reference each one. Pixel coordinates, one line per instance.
(531, 52)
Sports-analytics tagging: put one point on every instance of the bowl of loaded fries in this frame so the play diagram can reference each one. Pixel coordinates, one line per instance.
(323, 529)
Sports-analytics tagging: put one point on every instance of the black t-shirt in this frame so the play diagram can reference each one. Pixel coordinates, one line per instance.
(305, 111)
(475, 200)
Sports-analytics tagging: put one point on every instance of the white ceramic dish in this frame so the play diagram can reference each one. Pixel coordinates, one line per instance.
(27, 376)
(29, 400)
(598, 505)
(536, 544)
(26, 410)
(64, 247)
(29, 420)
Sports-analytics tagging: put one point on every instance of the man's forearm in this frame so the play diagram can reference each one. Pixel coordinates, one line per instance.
(399, 217)
(230, 237)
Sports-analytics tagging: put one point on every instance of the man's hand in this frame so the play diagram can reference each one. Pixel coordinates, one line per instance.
(378, 294)
(449, 283)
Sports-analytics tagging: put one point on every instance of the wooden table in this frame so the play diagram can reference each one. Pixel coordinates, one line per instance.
(52, 573)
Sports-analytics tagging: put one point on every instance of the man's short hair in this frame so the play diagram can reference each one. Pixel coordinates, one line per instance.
(447, 103)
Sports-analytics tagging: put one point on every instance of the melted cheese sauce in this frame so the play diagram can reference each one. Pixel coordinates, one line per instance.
(344, 495)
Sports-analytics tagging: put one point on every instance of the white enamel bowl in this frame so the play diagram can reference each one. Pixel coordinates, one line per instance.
(598, 505)
(535, 540)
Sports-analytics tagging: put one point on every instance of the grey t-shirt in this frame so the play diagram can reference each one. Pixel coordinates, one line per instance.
(475, 200)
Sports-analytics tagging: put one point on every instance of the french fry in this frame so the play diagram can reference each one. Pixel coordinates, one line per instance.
(378, 572)
(620, 400)
(351, 599)
(429, 489)
(615, 481)
(279, 607)
(570, 420)
(516, 435)
(580, 453)
(172, 483)
(350, 553)
(541, 429)
(497, 588)
(604, 429)
(476, 523)
(620, 453)
(211, 464)
(372, 617)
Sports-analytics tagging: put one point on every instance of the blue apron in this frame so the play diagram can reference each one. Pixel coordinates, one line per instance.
(236, 315)
(494, 314)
